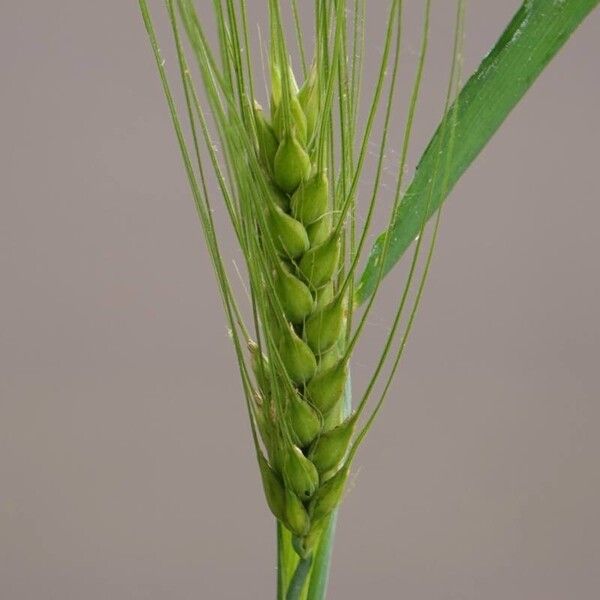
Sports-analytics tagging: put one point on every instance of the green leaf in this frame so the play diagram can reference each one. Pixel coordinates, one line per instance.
(536, 33)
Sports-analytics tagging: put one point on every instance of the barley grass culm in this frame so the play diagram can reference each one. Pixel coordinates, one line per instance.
(288, 171)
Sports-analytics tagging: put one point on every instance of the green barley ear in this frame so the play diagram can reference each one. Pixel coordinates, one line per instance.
(295, 298)
(304, 420)
(319, 264)
(267, 142)
(300, 239)
(296, 516)
(289, 236)
(300, 474)
(327, 387)
(329, 495)
(330, 449)
(298, 359)
(273, 488)
(291, 164)
(310, 201)
(324, 327)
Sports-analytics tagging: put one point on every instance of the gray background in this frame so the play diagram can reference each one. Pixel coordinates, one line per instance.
(126, 468)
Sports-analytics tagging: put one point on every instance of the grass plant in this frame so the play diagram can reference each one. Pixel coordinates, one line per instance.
(288, 175)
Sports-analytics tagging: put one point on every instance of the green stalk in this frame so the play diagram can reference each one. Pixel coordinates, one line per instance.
(298, 582)
(319, 576)
(536, 33)
(287, 559)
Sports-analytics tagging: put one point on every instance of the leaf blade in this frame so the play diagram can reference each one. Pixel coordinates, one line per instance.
(533, 37)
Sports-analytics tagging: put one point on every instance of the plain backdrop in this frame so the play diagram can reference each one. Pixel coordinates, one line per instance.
(126, 468)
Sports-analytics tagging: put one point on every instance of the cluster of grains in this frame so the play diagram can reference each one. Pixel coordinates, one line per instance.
(300, 420)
